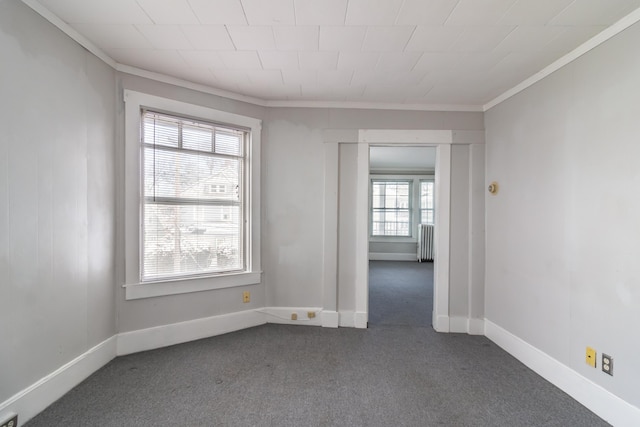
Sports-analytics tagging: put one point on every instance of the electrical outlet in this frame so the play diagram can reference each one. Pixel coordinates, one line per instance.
(591, 357)
(294, 316)
(11, 422)
(246, 296)
(311, 314)
(607, 364)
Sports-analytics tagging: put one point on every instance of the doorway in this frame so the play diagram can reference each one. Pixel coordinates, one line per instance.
(401, 198)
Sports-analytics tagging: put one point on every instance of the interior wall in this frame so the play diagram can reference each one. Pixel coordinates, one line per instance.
(150, 312)
(57, 197)
(563, 235)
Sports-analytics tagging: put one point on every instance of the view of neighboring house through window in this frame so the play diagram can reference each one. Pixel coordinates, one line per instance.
(193, 192)
(426, 202)
(391, 208)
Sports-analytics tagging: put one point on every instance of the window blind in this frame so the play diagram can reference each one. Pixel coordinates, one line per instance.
(193, 197)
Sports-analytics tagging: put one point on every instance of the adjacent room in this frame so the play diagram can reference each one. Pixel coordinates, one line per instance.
(337, 212)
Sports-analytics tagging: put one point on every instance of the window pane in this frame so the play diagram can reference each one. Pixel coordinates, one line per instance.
(229, 142)
(189, 175)
(182, 240)
(160, 131)
(390, 214)
(197, 138)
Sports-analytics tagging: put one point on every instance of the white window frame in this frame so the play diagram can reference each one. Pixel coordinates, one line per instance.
(420, 209)
(134, 287)
(410, 182)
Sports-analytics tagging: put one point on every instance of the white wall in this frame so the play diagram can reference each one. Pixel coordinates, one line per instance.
(57, 108)
(563, 233)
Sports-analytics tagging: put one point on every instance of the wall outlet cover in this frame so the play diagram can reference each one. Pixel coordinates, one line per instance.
(11, 422)
(591, 357)
(607, 364)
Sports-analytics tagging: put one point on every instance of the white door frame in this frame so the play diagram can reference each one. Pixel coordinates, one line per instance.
(441, 140)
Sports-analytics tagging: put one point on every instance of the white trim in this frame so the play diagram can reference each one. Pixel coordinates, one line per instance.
(187, 285)
(134, 101)
(576, 53)
(330, 319)
(440, 322)
(421, 136)
(178, 333)
(330, 228)
(362, 231)
(360, 319)
(375, 106)
(389, 256)
(602, 402)
(476, 327)
(442, 231)
(282, 315)
(35, 398)
(163, 78)
(458, 324)
(347, 319)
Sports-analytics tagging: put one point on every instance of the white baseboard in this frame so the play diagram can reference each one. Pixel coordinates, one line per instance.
(440, 323)
(476, 327)
(360, 319)
(330, 319)
(347, 319)
(458, 324)
(282, 315)
(35, 398)
(602, 402)
(388, 256)
(176, 333)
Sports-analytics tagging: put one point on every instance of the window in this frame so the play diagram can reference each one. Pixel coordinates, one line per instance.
(426, 202)
(391, 208)
(187, 231)
(192, 197)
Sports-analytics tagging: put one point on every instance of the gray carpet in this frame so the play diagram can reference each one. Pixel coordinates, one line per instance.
(284, 375)
(400, 293)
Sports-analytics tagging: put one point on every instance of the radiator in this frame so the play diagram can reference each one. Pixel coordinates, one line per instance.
(425, 242)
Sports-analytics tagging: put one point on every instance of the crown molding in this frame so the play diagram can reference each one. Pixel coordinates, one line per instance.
(585, 47)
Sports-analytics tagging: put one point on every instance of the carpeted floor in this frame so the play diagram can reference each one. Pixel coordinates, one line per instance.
(400, 293)
(283, 375)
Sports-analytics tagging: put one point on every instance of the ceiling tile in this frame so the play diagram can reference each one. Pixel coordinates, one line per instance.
(342, 38)
(252, 37)
(264, 77)
(431, 62)
(481, 39)
(595, 12)
(300, 77)
(479, 12)
(276, 92)
(357, 60)
(526, 39)
(269, 12)
(159, 61)
(318, 60)
(325, 12)
(173, 12)
(98, 12)
(368, 77)
(433, 39)
(538, 12)
(202, 58)
(202, 76)
(397, 61)
(109, 36)
(222, 12)
(296, 38)
(384, 93)
(387, 39)
(211, 37)
(425, 12)
(372, 12)
(230, 77)
(334, 77)
(278, 60)
(572, 37)
(165, 36)
(241, 59)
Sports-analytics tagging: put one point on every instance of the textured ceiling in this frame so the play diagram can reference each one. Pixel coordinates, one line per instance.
(419, 52)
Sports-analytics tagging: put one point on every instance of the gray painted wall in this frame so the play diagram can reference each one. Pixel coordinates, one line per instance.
(563, 235)
(57, 196)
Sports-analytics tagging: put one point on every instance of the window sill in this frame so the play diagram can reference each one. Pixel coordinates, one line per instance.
(187, 285)
(392, 239)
